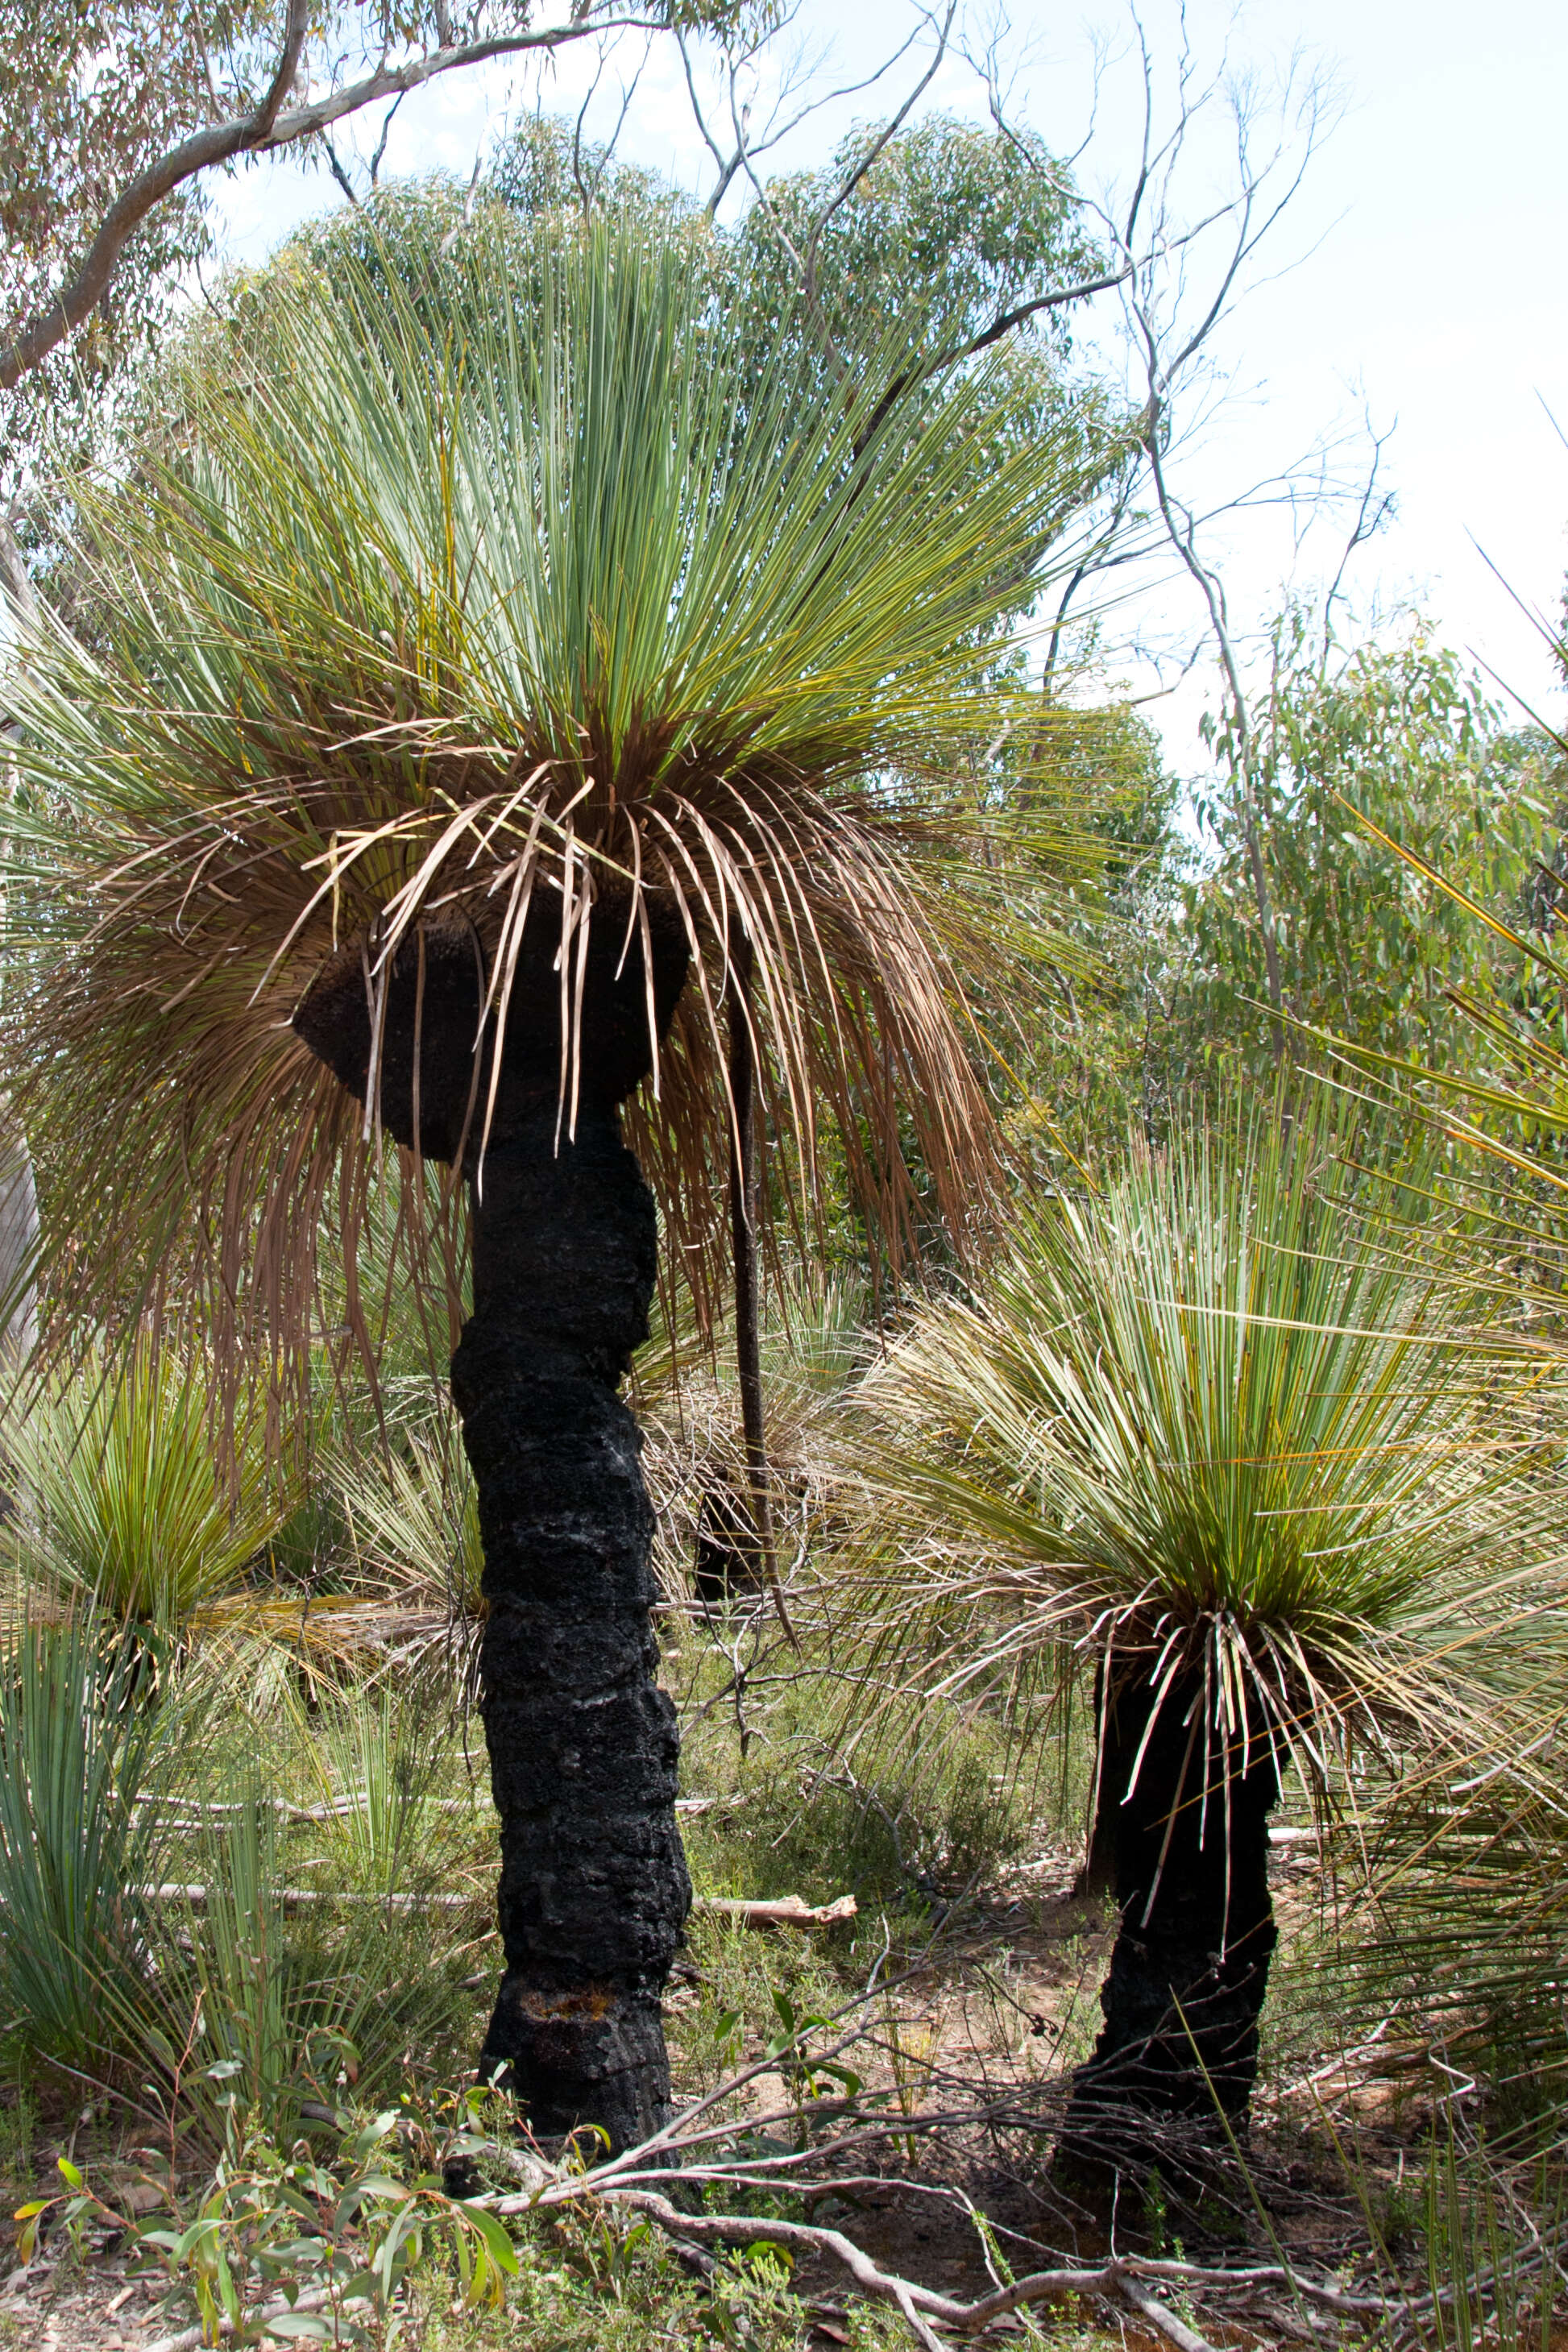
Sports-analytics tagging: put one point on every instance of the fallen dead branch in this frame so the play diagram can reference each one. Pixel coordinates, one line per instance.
(785, 1911)
(196, 1897)
(1125, 2279)
(182, 1813)
(181, 1810)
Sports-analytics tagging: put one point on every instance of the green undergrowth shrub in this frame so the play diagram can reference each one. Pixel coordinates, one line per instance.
(917, 1813)
(352, 2221)
(916, 1810)
(558, 2307)
(732, 2010)
(196, 1905)
(590, 2281)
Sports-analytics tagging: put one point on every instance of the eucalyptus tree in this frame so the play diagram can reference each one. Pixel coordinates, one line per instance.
(1369, 770)
(1216, 1445)
(483, 748)
(946, 244)
(115, 113)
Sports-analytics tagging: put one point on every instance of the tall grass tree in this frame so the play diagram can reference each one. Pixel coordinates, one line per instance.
(498, 749)
(1219, 1444)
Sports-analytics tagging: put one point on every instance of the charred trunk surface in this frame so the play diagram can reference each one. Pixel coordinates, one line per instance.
(582, 1745)
(1189, 1967)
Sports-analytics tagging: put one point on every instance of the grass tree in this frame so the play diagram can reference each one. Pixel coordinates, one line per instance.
(486, 749)
(1209, 1441)
(119, 1505)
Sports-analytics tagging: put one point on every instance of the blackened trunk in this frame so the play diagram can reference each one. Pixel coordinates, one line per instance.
(582, 1746)
(1189, 1967)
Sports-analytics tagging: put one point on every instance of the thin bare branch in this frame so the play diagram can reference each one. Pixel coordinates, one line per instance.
(335, 165)
(379, 156)
(877, 148)
(1372, 510)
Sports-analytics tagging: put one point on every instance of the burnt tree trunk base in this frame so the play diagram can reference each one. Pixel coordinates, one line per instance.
(1182, 2000)
(582, 1745)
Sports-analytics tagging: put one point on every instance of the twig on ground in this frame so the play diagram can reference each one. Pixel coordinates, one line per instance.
(190, 2339)
(787, 1911)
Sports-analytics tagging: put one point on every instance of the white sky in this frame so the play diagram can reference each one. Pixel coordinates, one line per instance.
(1428, 244)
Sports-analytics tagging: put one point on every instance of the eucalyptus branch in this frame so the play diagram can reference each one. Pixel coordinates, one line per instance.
(1179, 525)
(379, 156)
(335, 165)
(877, 148)
(1373, 511)
(1144, 245)
(780, 125)
(805, 259)
(266, 131)
(217, 144)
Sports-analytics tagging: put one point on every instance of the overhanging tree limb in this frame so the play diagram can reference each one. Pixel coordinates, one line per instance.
(216, 144)
(264, 131)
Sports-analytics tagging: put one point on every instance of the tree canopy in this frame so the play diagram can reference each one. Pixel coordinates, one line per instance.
(584, 605)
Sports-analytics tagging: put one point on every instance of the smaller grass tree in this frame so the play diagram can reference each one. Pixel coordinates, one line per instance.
(116, 1500)
(1219, 1444)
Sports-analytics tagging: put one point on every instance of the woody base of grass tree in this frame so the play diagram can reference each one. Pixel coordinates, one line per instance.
(1173, 2071)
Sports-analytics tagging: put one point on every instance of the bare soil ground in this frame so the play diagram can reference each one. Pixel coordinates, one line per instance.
(987, 2022)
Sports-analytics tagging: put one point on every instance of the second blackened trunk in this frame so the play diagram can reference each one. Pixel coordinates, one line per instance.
(744, 1200)
(1189, 1967)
